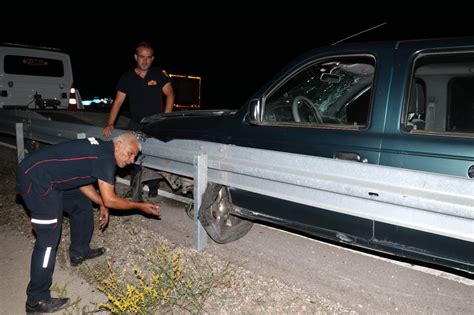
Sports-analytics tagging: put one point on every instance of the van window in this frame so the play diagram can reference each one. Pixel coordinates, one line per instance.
(25, 65)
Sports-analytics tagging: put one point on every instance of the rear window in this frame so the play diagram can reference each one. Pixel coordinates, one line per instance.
(442, 94)
(460, 104)
(37, 66)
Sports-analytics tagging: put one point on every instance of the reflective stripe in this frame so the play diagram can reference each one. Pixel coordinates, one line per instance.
(46, 257)
(37, 221)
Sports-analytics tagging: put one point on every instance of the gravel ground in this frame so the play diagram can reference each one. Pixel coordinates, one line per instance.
(235, 289)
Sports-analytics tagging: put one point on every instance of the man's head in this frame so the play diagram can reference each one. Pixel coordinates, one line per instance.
(144, 55)
(126, 149)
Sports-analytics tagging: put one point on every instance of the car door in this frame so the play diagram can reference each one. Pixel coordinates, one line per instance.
(324, 107)
(431, 128)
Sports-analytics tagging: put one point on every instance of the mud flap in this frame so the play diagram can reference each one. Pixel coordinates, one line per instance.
(216, 216)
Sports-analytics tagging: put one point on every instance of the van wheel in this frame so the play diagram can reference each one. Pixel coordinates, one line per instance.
(216, 216)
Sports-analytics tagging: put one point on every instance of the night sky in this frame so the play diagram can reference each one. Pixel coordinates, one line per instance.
(234, 56)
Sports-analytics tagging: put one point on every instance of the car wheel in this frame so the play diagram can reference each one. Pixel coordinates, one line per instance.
(216, 216)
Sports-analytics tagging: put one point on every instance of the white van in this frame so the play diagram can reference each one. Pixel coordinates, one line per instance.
(34, 77)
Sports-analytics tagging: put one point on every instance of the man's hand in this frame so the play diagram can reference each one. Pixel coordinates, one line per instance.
(103, 217)
(108, 130)
(150, 209)
(111, 200)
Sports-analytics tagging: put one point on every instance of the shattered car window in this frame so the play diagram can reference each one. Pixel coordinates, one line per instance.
(327, 92)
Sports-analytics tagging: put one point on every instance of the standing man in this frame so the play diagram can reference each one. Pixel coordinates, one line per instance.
(145, 87)
(59, 179)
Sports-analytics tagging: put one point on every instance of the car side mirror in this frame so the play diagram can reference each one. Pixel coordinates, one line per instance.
(255, 111)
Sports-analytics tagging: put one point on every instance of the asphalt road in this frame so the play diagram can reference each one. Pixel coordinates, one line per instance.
(360, 281)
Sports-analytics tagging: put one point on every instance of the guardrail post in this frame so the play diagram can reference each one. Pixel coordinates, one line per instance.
(20, 142)
(200, 184)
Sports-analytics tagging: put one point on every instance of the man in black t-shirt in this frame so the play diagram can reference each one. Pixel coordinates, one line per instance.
(60, 179)
(145, 87)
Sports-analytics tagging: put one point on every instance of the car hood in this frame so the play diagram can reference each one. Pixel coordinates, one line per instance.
(206, 125)
(188, 113)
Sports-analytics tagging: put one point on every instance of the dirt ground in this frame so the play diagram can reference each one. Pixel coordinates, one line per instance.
(127, 245)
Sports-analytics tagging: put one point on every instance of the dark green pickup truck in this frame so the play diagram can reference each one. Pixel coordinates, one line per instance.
(405, 104)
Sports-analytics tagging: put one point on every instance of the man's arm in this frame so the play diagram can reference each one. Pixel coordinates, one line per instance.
(118, 101)
(90, 192)
(111, 200)
(169, 93)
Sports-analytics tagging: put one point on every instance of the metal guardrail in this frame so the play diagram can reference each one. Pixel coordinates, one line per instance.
(424, 201)
(38, 128)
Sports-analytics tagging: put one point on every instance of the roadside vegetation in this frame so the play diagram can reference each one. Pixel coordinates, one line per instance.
(170, 282)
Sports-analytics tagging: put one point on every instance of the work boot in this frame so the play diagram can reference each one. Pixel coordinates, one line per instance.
(93, 253)
(50, 305)
(153, 186)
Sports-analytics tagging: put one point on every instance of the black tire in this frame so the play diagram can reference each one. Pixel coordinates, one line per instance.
(216, 216)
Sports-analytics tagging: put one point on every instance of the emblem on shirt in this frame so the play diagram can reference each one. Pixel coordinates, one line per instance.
(152, 82)
(93, 141)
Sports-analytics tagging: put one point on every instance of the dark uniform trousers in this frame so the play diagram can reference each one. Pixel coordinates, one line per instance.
(46, 210)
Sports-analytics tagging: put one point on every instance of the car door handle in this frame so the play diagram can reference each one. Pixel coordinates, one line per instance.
(350, 156)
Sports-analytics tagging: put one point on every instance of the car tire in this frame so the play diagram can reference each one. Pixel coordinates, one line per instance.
(216, 216)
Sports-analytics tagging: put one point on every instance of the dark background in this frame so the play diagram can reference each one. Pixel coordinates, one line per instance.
(233, 55)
